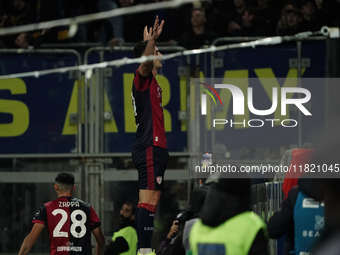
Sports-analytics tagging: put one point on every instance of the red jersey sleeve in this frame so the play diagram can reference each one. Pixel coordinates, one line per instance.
(40, 216)
(95, 223)
(142, 83)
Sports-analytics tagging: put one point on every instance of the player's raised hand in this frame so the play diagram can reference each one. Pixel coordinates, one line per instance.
(157, 29)
(147, 34)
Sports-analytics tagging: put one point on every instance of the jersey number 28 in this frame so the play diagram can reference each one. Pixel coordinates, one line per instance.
(75, 223)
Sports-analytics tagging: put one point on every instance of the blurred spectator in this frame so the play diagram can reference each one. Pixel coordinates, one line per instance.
(247, 153)
(198, 35)
(268, 15)
(178, 22)
(250, 25)
(24, 40)
(290, 22)
(93, 28)
(301, 218)
(327, 12)
(47, 10)
(129, 30)
(298, 157)
(309, 21)
(72, 9)
(232, 19)
(3, 17)
(133, 23)
(20, 13)
(115, 36)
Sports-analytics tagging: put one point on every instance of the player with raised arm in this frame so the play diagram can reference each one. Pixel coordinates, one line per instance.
(149, 152)
(70, 222)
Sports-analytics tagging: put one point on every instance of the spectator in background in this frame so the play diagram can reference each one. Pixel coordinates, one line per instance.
(198, 35)
(250, 25)
(133, 23)
(309, 21)
(20, 13)
(327, 12)
(127, 29)
(24, 40)
(114, 25)
(3, 16)
(233, 18)
(72, 9)
(93, 28)
(47, 10)
(180, 22)
(268, 15)
(290, 22)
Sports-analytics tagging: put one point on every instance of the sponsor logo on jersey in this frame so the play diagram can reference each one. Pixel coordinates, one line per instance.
(69, 248)
(148, 228)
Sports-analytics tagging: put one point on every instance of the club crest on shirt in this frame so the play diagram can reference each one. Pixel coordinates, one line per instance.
(159, 179)
(159, 92)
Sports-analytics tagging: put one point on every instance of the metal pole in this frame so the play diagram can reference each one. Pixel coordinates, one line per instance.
(96, 111)
(299, 74)
(188, 103)
(101, 105)
(80, 113)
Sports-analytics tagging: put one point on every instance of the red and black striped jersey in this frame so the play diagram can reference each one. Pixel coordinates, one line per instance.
(70, 222)
(146, 98)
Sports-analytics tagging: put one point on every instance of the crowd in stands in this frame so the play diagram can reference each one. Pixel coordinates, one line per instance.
(184, 26)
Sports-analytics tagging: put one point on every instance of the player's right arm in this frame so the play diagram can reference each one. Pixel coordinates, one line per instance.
(100, 247)
(145, 68)
(31, 238)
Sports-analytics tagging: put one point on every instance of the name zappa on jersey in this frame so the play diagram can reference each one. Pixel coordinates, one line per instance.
(68, 204)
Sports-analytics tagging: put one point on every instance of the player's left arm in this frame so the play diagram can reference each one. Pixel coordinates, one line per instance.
(97, 232)
(31, 238)
(100, 247)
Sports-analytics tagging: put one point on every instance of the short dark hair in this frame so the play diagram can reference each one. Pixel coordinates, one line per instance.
(198, 9)
(66, 178)
(133, 205)
(139, 49)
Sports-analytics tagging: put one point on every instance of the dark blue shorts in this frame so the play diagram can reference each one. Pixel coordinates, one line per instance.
(151, 163)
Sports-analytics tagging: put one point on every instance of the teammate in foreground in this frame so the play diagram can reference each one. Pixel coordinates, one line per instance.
(149, 152)
(70, 222)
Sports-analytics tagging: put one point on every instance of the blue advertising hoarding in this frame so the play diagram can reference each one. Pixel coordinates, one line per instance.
(34, 112)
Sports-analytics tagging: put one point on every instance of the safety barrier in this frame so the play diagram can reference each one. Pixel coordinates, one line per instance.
(266, 199)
